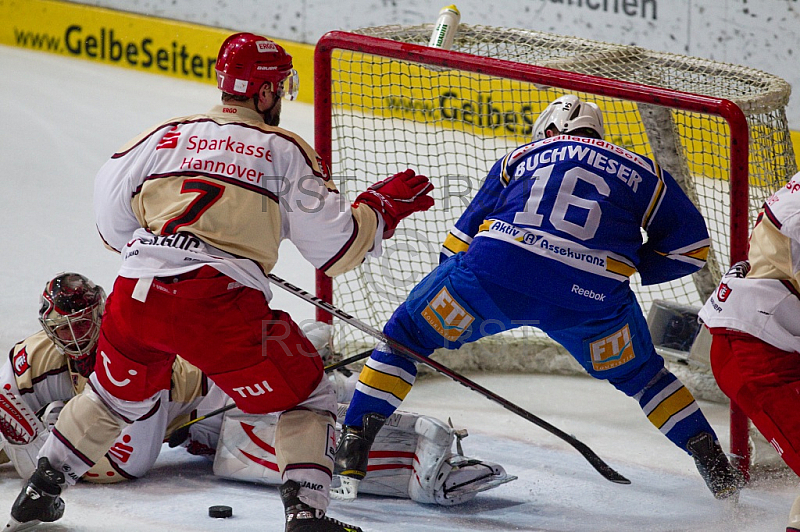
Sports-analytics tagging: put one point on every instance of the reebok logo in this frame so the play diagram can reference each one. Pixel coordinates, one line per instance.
(612, 351)
(591, 294)
(447, 316)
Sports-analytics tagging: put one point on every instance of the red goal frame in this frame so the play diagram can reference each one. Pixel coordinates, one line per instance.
(570, 81)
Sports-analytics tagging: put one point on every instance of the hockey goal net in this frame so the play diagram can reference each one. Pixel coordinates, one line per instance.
(384, 101)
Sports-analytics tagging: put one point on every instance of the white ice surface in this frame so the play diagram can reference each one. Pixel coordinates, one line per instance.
(63, 117)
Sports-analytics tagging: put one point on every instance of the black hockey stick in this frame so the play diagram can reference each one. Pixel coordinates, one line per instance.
(597, 462)
(180, 434)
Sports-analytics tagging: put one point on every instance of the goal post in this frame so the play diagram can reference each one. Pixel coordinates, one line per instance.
(385, 101)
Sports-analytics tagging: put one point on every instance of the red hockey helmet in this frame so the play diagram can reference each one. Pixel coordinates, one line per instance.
(246, 61)
(70, 309)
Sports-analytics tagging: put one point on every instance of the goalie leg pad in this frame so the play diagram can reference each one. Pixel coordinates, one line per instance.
(246, 448)
(433, 449)
(465, 477)
(440, 477)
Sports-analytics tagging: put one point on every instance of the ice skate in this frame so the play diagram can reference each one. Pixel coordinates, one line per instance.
(724, 480)
(352, 454)
(301, 517)
(39, 500)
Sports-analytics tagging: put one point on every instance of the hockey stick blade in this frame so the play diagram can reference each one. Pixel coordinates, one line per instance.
(180, 434)
(603, 468)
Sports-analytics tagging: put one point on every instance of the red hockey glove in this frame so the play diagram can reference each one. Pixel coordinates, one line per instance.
(396, 197)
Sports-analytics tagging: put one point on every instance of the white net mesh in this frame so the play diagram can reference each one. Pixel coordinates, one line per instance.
(452, 125)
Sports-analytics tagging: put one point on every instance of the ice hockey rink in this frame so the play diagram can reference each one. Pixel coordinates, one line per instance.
(63, 117)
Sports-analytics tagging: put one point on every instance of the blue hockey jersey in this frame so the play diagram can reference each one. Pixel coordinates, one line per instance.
(561, 219)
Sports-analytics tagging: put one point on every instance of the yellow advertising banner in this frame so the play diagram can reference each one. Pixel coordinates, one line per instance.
(188, 51)
(171, 48)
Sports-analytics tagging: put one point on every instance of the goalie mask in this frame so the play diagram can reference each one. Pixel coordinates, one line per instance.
(569, 115)
(70, 310)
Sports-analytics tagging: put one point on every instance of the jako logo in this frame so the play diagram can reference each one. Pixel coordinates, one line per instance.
(170, 139)
(447, 316)
(259, 388)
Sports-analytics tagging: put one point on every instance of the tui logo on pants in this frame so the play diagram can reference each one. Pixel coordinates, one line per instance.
(259, 388)
(112, 380)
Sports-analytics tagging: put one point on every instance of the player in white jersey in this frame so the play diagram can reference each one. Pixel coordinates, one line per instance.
(754, 320)
(50, 367)
(197, 206)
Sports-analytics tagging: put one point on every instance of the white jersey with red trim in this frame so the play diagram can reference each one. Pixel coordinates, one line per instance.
(38, 374)
(223, 189)
(766, 303)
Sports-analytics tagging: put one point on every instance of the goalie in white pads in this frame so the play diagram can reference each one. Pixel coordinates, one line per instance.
(50, 367)
(412, 457)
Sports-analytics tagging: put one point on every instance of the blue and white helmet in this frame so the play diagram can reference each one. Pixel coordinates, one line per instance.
(569, 115)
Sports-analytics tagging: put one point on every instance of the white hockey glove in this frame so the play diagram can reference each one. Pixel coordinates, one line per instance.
(23, 433)
(320, 334)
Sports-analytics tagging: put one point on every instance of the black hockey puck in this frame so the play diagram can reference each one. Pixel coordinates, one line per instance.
(220, 512)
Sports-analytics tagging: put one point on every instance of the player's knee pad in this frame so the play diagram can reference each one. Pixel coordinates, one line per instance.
(89, 425)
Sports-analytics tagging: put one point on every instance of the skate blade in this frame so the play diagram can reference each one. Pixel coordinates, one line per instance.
(346, 491)
(15, 526)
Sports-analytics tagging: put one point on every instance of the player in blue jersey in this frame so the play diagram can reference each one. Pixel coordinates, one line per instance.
(550, 240)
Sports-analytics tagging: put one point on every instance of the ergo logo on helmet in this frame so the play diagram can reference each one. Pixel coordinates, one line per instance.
(266, 46)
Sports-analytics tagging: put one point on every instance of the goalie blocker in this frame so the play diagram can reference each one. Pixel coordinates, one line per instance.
(411, 458)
